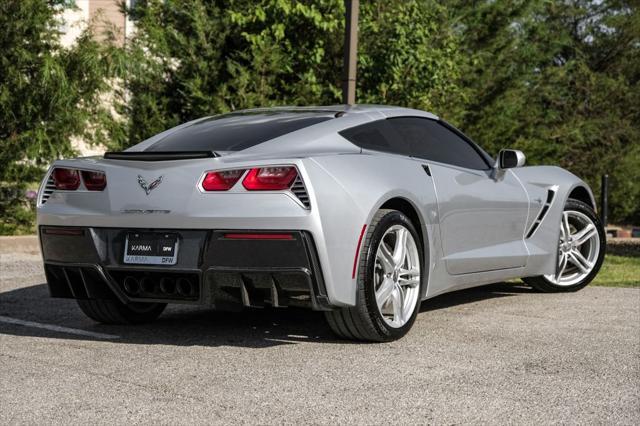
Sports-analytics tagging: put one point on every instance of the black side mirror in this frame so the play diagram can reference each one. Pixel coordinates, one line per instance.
(510, 158)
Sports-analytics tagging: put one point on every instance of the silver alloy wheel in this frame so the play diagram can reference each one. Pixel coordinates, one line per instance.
(578, 249)
(397, 276)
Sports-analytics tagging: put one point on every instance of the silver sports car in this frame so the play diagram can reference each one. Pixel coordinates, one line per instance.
(361, 212)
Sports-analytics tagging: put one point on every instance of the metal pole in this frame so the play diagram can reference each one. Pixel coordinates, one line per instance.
(350, 52)
(604, 195)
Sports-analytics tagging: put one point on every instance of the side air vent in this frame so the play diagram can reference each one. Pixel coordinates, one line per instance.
(543, 212)
(300, 192)
(48, 189)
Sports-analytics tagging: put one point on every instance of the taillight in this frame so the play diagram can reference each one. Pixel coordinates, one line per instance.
(94, 181)
(66, 179)
(222, 180)
(270, 178)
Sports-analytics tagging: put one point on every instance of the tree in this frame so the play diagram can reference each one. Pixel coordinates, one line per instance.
(558, 80)
(195, 58)
(48, 94)
(409, 55)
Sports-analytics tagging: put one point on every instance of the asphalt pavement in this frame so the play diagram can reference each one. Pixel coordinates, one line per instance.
(496, 354)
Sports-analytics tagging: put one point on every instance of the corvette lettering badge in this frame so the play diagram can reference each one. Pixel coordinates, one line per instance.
(149, 187)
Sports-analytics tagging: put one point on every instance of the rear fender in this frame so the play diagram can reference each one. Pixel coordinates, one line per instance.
(351, 190)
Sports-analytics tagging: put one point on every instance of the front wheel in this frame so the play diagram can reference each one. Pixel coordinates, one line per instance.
(389, 282)
(581, 250)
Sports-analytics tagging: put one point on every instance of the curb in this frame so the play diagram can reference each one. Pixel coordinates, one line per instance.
(27, 244)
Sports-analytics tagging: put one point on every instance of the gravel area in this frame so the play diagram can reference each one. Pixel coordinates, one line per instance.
(21, 267)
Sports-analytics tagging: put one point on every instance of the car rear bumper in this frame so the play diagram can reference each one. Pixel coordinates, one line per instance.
(211, 269)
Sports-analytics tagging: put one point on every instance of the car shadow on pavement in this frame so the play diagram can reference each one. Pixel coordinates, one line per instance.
(472, 295)
(183, 325)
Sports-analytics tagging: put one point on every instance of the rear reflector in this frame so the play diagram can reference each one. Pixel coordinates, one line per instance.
(241, 236)
(66, 179)
(222, 180)
(355, 258)
(63, 231)
(94, 181)
(270, 178)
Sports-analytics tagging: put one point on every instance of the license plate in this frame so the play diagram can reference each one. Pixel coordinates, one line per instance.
(151, 248)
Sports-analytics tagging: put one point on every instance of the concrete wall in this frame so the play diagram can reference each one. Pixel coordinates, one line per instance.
(103, 13)
(75, 21)
(107, 16)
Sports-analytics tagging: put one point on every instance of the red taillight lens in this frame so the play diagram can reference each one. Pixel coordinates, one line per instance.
(222, 180)
(270, 178)
(66, 179)
(94, 181)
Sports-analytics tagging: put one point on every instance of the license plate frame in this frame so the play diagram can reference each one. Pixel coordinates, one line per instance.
(155, 244)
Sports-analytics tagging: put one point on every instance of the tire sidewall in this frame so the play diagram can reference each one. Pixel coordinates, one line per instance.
(367, 274)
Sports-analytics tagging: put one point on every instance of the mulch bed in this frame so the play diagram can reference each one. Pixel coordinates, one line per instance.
(624, 246)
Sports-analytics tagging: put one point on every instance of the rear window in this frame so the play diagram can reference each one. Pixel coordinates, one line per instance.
(238, 131)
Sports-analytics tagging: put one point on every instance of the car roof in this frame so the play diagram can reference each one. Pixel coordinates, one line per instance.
(323, 121)
(388, 110)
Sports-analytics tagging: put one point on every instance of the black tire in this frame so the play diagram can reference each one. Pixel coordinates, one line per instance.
(116, 312)
(364, 321)
(540, 283)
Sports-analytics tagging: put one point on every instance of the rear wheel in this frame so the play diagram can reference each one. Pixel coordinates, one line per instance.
(389, 282)
(581, 250)
(116, 312)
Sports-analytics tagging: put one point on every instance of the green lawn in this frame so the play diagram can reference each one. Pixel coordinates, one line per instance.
(619, 271)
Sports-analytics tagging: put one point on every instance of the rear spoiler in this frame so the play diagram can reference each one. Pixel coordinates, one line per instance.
(159, 155)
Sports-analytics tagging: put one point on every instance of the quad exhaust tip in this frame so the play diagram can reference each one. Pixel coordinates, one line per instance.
(168, 285)
(131, 285)
(148, 286)
(184, 287)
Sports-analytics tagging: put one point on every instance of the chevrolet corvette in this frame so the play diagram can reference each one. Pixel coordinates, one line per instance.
(361, 212)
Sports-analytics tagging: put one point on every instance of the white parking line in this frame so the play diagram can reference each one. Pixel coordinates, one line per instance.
(57, 328)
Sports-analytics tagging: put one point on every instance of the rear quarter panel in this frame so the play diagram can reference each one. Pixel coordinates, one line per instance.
(349, 190)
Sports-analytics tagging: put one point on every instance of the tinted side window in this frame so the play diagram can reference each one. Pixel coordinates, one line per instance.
(377, 135)
(431, 140)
